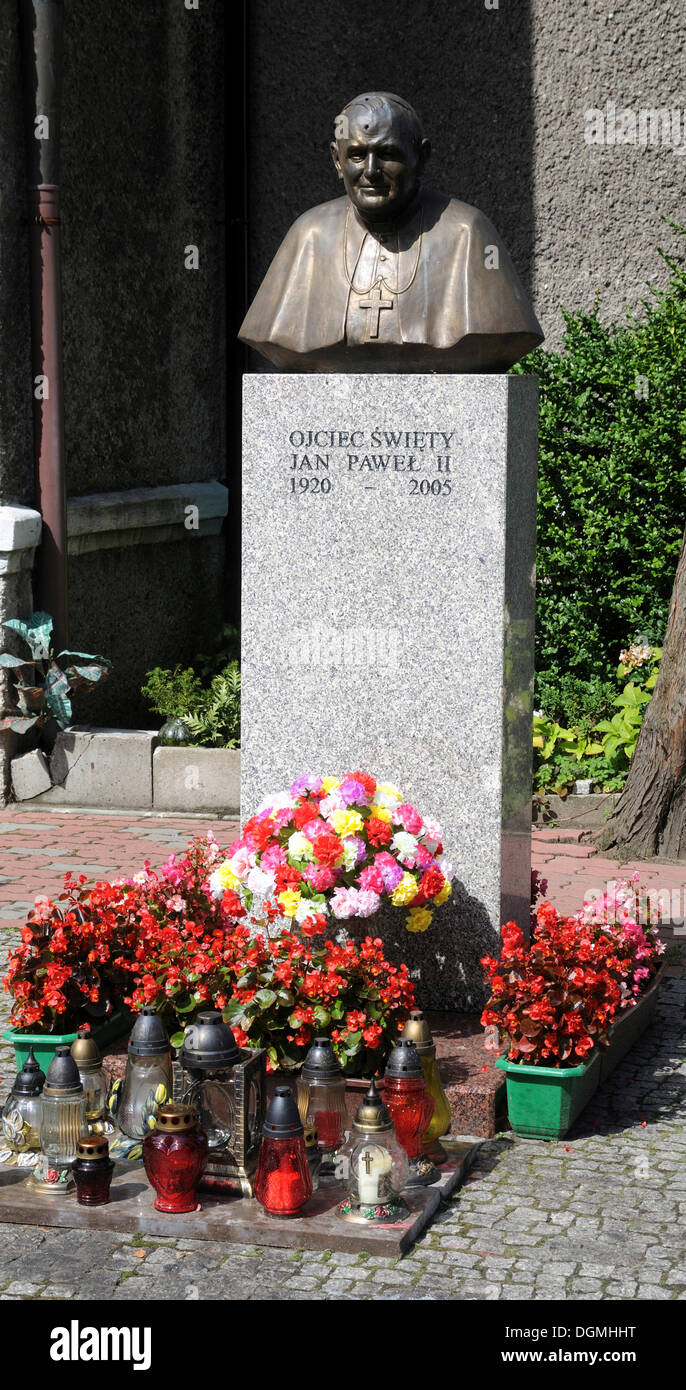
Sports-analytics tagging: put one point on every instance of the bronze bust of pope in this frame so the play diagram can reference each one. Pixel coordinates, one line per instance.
(392, 277)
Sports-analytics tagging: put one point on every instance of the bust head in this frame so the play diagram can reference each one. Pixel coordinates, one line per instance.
(379, 153)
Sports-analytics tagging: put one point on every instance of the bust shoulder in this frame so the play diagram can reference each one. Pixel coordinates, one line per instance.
(325, 217)
(452, 211)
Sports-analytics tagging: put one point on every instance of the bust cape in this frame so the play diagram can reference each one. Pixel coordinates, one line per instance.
(457, 315)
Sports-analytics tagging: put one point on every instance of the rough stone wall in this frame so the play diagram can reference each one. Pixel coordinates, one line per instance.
(597, 208)
(141, 174)
(142, 162)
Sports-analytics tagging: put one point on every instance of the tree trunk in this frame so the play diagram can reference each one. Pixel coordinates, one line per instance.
(650, 816)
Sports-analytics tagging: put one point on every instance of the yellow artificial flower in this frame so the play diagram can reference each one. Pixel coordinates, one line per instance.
(418, 919)
(445, 893)
(405, 891)
(346, 822)
(329, 784)
(227, 877)
(290, 901)
(381, 813)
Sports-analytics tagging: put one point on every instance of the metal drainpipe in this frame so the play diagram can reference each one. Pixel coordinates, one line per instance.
(42, 27)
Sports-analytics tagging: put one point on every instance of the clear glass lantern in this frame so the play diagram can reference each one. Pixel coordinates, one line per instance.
(374, 1166)
(147, 1083)
(86, 1054)
(22, 1111)
(321, 1099)
(62, 1121)
(226, 1087)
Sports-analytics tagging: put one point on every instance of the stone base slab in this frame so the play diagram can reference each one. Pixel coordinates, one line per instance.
(233, 1219)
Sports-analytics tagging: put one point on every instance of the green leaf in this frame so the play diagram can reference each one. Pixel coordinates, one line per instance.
(185, 1004)
(176, 1039)
(265, 998)
(16, 724)
(7, 659)
(57, 694)
(35, 632)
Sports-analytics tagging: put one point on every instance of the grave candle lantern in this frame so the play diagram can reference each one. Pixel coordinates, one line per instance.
(321, 1098)
(86, 1054)
(62, 1121)
(283, 1183)
(147, 1081)
(174, 1155)
(93, 1169)
(411, 1108)
(373, 1164)
(22, 1110)
(225, 1086)
(417, 1031)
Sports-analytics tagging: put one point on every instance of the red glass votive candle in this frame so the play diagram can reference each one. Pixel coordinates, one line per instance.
(175, 1154)
(283, 1183)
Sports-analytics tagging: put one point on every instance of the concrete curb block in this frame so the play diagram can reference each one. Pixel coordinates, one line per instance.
(124, 769)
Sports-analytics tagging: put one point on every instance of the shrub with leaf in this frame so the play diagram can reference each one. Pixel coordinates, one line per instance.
(43, 682)
(612, 491)
(602, 751)
(206, 697)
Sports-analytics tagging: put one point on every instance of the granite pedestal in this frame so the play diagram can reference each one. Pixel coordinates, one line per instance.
(388, 621)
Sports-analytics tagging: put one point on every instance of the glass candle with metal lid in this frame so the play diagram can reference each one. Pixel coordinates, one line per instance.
(62, 1121)
(147, 1084)
(93, 1169)
(314, 1158)
(175, 1154)
(374, 1165)
(417, 1031)
(411, 1108)
(86, 1054)
(225, 1085)
(321, 1098)
(22, 1110)
(283, 1183)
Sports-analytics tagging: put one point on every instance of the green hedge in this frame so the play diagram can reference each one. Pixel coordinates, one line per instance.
(612, 492)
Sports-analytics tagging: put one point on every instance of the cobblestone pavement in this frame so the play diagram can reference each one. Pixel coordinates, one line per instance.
(599, 1215)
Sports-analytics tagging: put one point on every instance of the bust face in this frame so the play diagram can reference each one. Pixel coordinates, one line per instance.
(379, 162)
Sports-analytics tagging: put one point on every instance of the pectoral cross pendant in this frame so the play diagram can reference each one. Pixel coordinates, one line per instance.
(375, 305)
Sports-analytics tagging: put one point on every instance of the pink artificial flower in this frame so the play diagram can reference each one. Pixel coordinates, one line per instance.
(409, 818)
(272, 857)
(367, 903)
(344, 902)
(371, 879)
(391, 871)
(320, 878)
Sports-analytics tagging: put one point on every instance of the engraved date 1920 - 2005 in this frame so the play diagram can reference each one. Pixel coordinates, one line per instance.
(310, 469)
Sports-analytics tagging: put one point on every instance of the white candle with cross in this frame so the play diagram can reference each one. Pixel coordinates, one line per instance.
(373, 1165)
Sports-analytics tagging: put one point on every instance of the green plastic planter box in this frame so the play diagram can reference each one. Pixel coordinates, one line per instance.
(543, 1102)
(45, 1044)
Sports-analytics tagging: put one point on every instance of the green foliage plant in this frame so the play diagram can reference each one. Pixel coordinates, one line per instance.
(612, 490)
(43, 682)
(206, 695)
